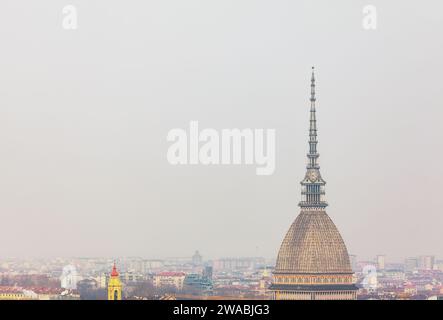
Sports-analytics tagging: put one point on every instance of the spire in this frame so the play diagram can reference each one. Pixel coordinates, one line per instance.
(313, 184)
(114, 272)
(312, 155)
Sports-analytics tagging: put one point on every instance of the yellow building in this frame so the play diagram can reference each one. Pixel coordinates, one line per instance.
(114, 285)
(13, 293)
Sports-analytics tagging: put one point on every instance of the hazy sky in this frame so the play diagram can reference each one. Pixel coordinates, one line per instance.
(84, 116)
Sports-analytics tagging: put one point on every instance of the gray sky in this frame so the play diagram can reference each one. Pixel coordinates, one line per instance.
(84, 116)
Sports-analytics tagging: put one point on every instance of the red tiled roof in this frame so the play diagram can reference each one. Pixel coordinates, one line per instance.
(45, 290)
(8, 289)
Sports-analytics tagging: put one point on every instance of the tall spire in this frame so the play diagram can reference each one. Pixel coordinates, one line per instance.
(312, 155)
(313, 185)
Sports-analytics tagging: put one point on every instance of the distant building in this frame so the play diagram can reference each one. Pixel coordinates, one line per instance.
(197, 284)
(411, 264)
(426, 262)
(114, 285)
(438, 265)
(410, 289)
(353, 260)
(89, 290)
(207, 272)
(36, 293)
(50, 293)
(149, 265)
(131, 276)
(12, 293)
(395, 275)
(102, 281)
(381, 262)
(169, 279)
(197, 259)
(264, 283)
(144, 266)
(87, 284)
(238, 263)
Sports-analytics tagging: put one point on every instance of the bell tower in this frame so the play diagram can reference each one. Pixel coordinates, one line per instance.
(114, 285)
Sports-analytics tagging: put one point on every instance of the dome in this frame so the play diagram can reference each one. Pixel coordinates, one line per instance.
(313, 245)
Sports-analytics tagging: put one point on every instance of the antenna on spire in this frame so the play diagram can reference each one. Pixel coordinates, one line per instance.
(313, 85)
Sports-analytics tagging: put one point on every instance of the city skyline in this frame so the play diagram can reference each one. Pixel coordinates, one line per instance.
(85, 115)
(196, 278)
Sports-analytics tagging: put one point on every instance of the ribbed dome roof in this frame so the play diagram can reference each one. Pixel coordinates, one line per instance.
(313, 245)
